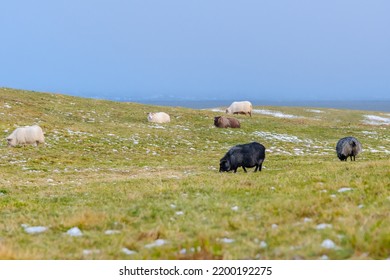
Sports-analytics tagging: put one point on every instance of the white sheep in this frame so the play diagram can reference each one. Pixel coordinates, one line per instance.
(26, 135)
(159, 117)
(240, 107)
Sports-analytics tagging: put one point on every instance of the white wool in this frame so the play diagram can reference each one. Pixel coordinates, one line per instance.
(240, 106)
(159, 117)
(26, 135)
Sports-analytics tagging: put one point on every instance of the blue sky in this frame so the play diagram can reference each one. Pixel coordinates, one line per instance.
(253, 49)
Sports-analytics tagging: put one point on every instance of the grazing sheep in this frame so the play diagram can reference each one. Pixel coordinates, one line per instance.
(348, 147)
(245, 155)
(223, 122)
(26, 135)
(240, 107)
(159, 117)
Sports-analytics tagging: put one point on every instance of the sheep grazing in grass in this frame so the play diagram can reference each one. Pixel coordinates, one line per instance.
(159, 117)
(26, 135)
(223, 122)
(245, 155)
(240, 107)
(348, 147)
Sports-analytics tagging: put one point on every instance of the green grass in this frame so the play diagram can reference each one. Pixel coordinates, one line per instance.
(104, 167)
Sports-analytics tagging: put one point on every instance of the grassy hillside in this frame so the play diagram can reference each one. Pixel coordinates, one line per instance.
(138, 190)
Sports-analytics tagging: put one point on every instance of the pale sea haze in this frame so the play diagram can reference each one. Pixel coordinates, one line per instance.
(377, 105)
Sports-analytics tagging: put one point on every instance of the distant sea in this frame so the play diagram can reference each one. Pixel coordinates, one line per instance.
(382, 106)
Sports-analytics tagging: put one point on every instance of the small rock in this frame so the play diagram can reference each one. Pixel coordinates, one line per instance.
(128, 252)
(227, 240)
(74, 231)
(156, 243)
(323, 226)
(111, 231)
(235, 208)
(328, 244)
(345, 189)
(179, 213)
(274, 226)
(263, 244)
(34, 230)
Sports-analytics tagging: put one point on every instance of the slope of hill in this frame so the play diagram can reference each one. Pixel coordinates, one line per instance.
(137, 190)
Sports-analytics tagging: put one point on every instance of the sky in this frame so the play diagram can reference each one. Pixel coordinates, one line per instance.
(198, 49)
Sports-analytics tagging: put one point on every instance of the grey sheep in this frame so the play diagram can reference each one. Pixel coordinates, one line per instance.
(348, 147)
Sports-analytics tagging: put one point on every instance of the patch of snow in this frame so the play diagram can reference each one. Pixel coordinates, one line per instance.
(323, 226)
(34, 230)
(157, 126)
(328, 244)
(324, 257)
(314, 111)
(74, 231)
(173, 206)
(128, 252)
(345, 189)
(274, 226)
(235, 208)
(90, 252)
(307, 220)
(156, 243)
(376, 120)
(111, 231)
(227, 240)
(360, 206)
(281, 137)
(263, 244)
(179, 213)
(217, 110)
(276, 114)
(183, 251)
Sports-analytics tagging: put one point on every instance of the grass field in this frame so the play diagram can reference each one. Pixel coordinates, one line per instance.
(137, 190)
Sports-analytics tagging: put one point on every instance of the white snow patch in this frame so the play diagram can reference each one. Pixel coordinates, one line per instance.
(281, 137)
(307, 220)
(376, 120)
(156, 243)
(34, 230)
(235, 208)
(217, 110)
(323, 226)
(274, 226)
(111, 231)
(90, 252)
(314, 111)
(157, 126)
(328, 244)
(324, 257)
(227, 240)
(276, 114)
(263, 244)
(179, 213)
(74, 231)
(345, 189)
(128, 252)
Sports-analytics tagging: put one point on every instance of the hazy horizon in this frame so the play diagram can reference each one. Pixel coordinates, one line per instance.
(198, 49)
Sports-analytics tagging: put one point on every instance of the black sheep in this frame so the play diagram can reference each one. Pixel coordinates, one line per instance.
(245, 155)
